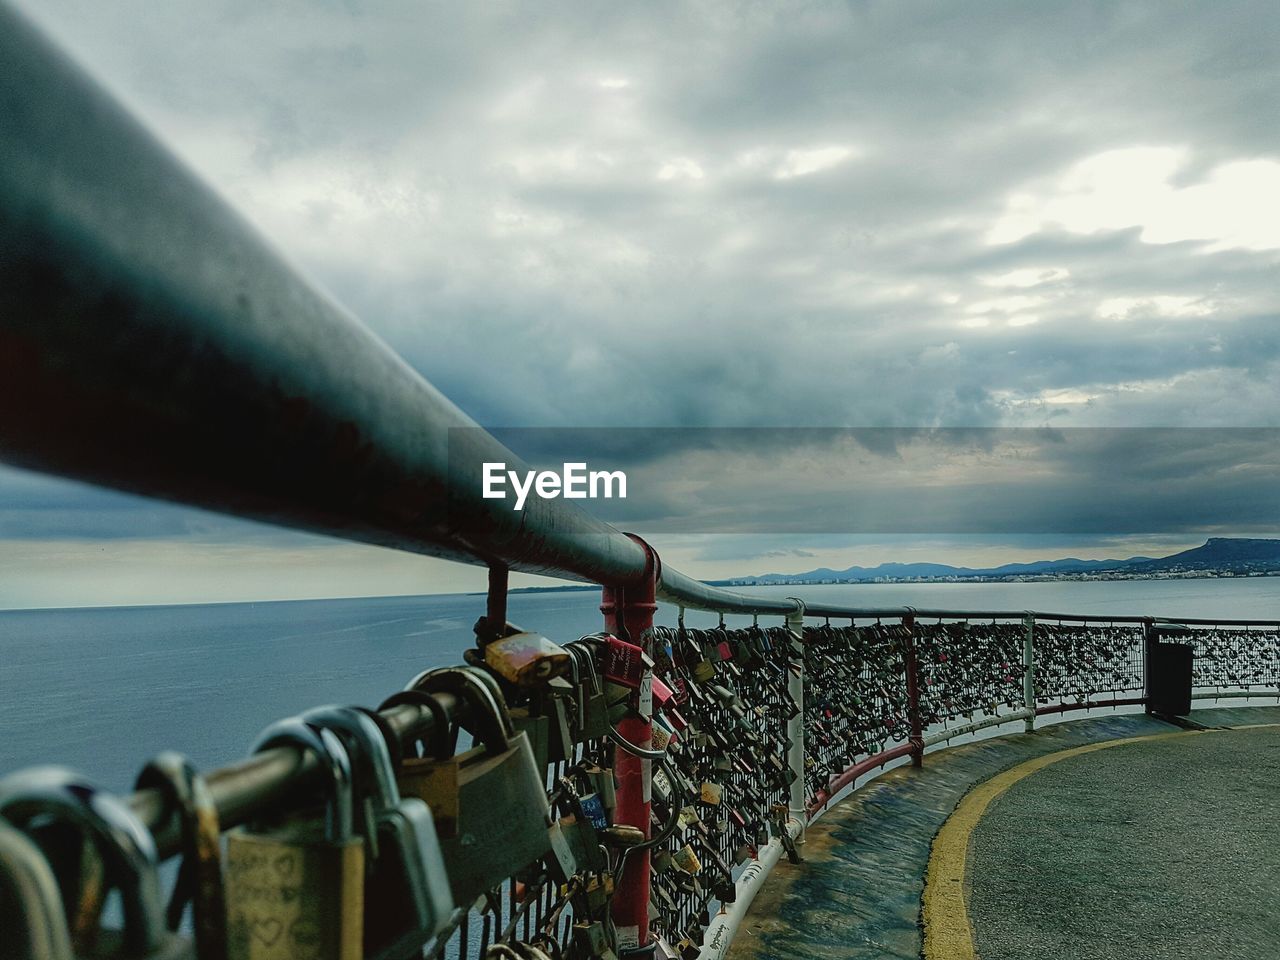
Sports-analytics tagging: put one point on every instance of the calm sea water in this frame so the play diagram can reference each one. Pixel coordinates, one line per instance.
(103, 689)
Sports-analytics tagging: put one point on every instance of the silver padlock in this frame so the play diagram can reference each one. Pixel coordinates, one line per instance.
(490, 802)
(33, 922)
(407, 894)
(48, 803)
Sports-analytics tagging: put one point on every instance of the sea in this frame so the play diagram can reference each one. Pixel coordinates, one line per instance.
(103, 689)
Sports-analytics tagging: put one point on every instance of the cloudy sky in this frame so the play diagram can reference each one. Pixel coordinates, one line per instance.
(722, 215)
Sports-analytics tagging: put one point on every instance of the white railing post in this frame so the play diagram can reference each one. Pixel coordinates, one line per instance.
(797, 806)
(1029, 672)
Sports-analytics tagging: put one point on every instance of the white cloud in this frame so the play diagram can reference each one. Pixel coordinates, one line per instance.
(802, 163)
(1236, 205)
(1159, 305)
(1027, 277)
(680, 168)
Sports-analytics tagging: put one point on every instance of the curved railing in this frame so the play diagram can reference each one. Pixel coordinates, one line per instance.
(151, 341)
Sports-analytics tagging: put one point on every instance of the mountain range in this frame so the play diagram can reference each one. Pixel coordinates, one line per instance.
(1217, 554)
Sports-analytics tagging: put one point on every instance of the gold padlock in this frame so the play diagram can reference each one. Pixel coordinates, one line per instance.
(296, 889)
(526, 659)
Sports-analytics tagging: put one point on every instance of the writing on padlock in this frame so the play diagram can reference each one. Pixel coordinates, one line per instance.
(661, 735)
(297, 887)
(624, 663)
(593, 809)
(686, 860)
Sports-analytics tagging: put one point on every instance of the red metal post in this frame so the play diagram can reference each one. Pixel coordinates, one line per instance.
(913, 693)
(628, 614)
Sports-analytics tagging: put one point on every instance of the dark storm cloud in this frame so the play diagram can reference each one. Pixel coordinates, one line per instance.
(779, 214)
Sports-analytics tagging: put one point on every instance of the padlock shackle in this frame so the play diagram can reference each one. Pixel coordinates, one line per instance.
(487, 716)
(325, 746)
(372, 769)
(440, 743)
(120, 839)
(200, 876)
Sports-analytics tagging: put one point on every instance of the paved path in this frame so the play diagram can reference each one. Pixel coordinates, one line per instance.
(858, 893)
(1164, 849)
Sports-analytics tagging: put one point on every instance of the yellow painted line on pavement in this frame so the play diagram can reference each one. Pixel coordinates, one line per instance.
(948, 934)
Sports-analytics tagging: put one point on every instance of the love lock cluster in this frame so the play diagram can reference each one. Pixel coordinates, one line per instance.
(968, 668)
(727, 780)
(1236, 658)
(855, 696)
(1074, 663)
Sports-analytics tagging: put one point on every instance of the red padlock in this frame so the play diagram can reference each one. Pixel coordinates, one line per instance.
(664, 698)
(680, 686)
(625, 663)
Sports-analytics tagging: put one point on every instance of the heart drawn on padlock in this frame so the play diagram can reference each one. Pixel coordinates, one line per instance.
(268, 930)
(285, 865)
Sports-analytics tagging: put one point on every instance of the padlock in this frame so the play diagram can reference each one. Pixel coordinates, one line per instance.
(618, 700)
(296, 888)
(32, 918)
(601, 779)
(526, 659)
(687, 860)
(57, 808)
(592, 808)
(660, 735)
(664, 698)
(199, 879)
(556, 703)
(562, 863)
(583, 842)
(593, 703)
(407, 895)
(490, 803)
(661, 785)
(723, 646)
(591, 940)
(624, 663)
(537, 730)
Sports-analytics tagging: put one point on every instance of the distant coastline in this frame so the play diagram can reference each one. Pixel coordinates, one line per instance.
(1217, 557)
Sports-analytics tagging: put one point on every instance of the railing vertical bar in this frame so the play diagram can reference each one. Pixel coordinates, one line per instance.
(797, 804)
(913, 693)
(1029, 672)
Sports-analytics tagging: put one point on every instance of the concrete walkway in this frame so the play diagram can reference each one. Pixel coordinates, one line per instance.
(1165, 849)
(858, 893)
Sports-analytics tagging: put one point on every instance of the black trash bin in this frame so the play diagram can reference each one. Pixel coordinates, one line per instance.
(1169, 676)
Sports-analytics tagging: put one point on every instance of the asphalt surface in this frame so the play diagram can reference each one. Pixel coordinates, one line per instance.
(857, 895)
(1167, 849)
